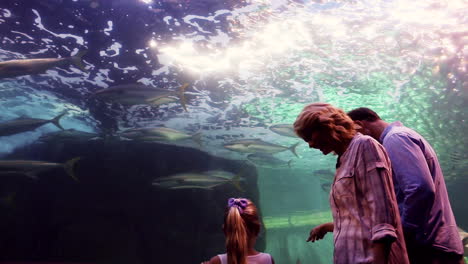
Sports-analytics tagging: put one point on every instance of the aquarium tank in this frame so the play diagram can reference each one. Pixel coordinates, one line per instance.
(126, 125)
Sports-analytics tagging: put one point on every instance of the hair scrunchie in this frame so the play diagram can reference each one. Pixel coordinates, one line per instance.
(239, 203)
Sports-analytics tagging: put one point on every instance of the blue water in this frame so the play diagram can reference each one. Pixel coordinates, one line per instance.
(249, 65)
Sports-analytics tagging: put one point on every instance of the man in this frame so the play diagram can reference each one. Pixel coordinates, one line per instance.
(428, 222)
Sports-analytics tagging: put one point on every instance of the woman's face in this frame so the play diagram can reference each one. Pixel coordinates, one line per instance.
(321, 141)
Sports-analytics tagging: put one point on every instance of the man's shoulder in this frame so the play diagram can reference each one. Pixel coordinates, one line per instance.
(400, 133)
(402, 136)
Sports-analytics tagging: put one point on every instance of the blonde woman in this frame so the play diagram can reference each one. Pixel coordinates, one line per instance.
(366, 224)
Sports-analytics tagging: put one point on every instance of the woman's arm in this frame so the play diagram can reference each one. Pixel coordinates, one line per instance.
(320, 231)
(375, 183)
(414, 178)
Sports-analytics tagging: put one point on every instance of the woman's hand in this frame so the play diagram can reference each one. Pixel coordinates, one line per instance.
(320, 231)
(381, 251)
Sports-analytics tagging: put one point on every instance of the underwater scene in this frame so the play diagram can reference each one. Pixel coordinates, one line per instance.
(126, 125)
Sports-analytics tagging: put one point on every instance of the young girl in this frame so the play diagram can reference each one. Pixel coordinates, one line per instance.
(241, 228)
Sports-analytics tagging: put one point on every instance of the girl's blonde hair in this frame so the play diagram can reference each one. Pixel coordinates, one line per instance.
(324, 118)
(241, 222)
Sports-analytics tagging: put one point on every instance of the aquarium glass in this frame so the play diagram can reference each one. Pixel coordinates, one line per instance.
(162, 102)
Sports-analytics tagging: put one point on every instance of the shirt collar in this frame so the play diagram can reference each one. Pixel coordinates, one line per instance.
(338, 160)
(388, 128)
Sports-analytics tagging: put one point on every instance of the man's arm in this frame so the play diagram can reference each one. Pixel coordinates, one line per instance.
(413, 177)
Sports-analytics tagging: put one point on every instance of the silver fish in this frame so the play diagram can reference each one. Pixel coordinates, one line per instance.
(458, 158)
(180, 187)
(134, 94)
(326, 187)
(268, 161)
(286, 130)
(20, 125)
(326, 183)
(324, 173)
(68, 135)
(14, 68)
(163, 100)
(203, 180)
(31, 168)
(159, 134)
(258, 146)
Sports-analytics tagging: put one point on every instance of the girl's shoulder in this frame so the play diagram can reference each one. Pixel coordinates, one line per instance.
(216, 260)
(263, 258)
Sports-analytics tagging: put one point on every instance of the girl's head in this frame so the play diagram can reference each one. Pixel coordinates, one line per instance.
(325, 127)
(241, 227)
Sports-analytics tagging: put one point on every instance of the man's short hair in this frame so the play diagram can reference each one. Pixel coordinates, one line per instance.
(363, 114)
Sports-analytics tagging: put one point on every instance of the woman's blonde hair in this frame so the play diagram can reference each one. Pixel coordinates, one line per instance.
(324, 118)
(241, 222)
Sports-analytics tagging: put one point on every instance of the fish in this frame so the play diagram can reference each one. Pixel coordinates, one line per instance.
(267, 161)
(324, 173)
(31, 168)
(325, 180)
(68, 135)
(326, 187)
(135, 94)
(458, 157)
(181, 187)
(159, 134)
(15, 68)
(24, 124)
(203, 180)
(286, 130)
(258, 146)
(298, 261)
(163, 100)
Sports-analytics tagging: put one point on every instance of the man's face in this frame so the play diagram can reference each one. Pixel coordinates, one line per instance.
(364, 127)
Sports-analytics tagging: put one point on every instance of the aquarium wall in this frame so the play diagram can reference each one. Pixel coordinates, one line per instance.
(127, 124)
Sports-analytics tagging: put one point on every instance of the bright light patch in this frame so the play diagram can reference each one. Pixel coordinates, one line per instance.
(268, 37)
(275, 39)
(153, 43)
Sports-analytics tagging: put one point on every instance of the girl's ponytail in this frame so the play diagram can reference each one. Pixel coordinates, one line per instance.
(241, 223)
(237, 240)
